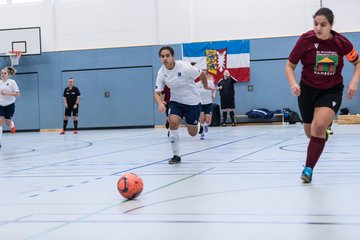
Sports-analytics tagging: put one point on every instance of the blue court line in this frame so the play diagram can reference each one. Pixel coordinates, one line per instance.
(24, 151)
(108, 153)
(152, 163)
(77, 159)
(325, 151)
(259, 150)
(34, 195)
(42, 152)
(186, 154)
(111, 206)
(200, 221)
(232, 191)
(65, 223)
(233, 214)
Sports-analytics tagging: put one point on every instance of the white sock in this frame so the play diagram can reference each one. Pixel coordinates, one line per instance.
(174, 140)
(12, 124)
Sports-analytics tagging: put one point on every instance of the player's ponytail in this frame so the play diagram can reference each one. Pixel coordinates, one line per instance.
(11, 71)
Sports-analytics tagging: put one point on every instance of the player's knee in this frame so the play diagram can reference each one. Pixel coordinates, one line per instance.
(318, 128)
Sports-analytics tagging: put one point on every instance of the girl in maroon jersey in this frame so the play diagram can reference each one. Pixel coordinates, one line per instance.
(319, 93)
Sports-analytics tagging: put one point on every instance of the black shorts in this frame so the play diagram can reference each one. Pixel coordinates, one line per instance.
(8, 111)
(206, 108)
(190, 112)
(311, 98)
(72, 110)
(227, 102)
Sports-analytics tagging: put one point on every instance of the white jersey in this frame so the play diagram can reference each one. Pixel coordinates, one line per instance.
(181, 82)
(8, 86)
(205, 95)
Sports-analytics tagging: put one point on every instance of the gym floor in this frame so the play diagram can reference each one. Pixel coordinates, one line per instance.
(239, 183)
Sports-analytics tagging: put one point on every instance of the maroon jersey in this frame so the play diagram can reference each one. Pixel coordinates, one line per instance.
(322, 60)
(166, 93)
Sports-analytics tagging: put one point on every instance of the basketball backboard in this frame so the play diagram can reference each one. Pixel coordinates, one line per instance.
(26, 40)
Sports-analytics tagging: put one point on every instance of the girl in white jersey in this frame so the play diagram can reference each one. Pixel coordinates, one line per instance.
(206, 97)
(179, 76)
(8, 93)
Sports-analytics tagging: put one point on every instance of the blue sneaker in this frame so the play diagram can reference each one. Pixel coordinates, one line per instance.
(202, 136)
(306, 175)
(206, 128)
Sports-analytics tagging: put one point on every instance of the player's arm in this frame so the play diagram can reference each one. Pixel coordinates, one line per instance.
(159, 101)
(65, 102)
(219, 87)
(159, 87)
(14, 94)
(77, 102)
(213, 92)
(290, 75)
(204, 81)
(353, 85)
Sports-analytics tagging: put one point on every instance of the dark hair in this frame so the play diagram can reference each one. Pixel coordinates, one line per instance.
(325, 12)
(171, 50)
(11, 71)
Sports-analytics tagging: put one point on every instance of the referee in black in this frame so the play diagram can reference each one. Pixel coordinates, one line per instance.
(71, 100)
(227, 97)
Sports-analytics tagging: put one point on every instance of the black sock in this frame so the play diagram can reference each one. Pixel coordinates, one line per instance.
(224, 117)
(232, 116)
(65, 124)
(75, 124)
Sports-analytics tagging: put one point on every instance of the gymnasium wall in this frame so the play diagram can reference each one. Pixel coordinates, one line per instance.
(128, 75)
(112, 48)
(94, 24)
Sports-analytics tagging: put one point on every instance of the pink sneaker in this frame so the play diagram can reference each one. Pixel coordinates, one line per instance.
(62, 132)
(75, 132)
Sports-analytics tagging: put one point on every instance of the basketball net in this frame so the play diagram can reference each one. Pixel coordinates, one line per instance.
(14, 57)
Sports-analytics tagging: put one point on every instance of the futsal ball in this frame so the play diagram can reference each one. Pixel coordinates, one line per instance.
(130, 185)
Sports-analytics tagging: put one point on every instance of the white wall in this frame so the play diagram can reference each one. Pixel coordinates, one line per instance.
(89, 24)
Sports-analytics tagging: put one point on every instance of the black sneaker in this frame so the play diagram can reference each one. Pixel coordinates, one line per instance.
(201, 129)
(223, 124)
(175, 159)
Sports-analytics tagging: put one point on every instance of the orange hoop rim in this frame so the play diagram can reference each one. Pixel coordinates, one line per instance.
(15, 52)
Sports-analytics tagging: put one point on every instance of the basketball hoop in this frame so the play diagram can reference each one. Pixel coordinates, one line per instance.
(14, 57)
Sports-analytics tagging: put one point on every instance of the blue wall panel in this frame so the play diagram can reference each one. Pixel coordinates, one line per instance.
(131, 70)
(271, 48)
(130, 101)
(270, 88)
(27, 115)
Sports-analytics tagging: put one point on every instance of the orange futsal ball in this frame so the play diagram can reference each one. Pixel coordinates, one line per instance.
(130, 185)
